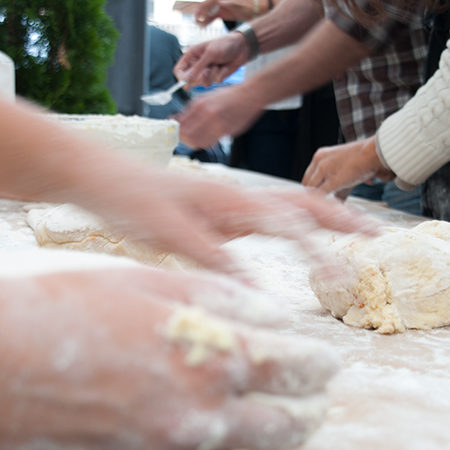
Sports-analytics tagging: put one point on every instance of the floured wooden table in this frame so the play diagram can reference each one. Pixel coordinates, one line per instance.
(393, 392)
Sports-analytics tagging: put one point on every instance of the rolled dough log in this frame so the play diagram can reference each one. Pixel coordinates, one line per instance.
(70, 227)
(396, 281)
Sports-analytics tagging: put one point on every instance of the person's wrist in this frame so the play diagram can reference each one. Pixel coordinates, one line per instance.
(250, 38)
(250, 94)
(380, 165)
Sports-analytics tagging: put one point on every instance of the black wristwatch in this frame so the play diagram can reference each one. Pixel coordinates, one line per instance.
(250, 38)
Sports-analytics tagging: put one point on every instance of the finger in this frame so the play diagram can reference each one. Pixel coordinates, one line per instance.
(260, 421)
(206, 12)
(342, 194)
(316, 177)
(213, 292)
(202, 244)
(254, 422)
(229, 298)
(204, 20)
(224, 72)
(278, 218)
(329, 213)
(214, 74)
(184, 64)
(308, 172)
(285, 365)
(199, 70)
(206, 77)
(250, 359)
(332, 184)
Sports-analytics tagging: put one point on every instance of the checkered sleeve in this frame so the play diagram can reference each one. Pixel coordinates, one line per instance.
(381, 31)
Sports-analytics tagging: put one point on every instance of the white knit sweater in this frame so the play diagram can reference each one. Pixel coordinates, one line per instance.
(415, 141)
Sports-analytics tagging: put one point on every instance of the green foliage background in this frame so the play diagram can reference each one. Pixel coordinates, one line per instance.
(61, 49)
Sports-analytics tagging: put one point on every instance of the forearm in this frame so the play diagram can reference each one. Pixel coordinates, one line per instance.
(70, 366)
(321, 56)
(286, 23)
(415, 141)
(44, 387)
(43, 162)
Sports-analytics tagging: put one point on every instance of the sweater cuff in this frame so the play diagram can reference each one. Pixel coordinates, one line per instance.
(403, 185)
(403, 148)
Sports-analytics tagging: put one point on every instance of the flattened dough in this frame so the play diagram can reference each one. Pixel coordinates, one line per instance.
(396, 281)
(70, 227)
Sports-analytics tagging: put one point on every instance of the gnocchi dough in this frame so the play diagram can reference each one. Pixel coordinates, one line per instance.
(69, 227)
(396, 281)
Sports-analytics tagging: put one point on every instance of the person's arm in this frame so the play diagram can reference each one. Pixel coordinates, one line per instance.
(215, 60)
(322, 55)
(415, 141)
(325, 53)
(107, 359)
(341, 167)
(287, 20)
(410, 145)
(286, 24)
(193, 217)
(231, 10)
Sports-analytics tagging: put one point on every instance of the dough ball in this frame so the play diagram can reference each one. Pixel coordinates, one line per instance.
(70, 227)
(396, 281)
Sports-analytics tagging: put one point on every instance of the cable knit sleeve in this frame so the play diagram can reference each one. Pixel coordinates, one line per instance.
(415, 141)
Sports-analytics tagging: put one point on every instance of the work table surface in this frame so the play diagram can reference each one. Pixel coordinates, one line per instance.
(392, 393)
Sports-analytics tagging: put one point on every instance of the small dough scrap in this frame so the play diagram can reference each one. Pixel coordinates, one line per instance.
(396, 281)
(67, 226)
(203, 333)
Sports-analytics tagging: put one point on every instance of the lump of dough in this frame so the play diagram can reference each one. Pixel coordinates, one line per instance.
(70, 227)
(396, 281)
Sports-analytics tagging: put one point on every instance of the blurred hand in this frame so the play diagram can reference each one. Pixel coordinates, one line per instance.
(194, 217)
(225, 111)
(101, 360)
(151, 206)
(342, 167)
(237, 10)
(212, 61)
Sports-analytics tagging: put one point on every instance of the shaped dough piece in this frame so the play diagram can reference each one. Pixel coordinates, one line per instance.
(70, 227)
(396, 281)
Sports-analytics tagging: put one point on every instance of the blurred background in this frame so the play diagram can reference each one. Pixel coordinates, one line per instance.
(101, 56)
(90, 56)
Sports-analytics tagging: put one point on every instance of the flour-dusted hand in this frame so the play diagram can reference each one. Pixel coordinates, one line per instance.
(151, 206)
(194, 217)
(218, 294)
(344, 166)
(226, 111)
(99, 360)
(327, 212)
(212, 61)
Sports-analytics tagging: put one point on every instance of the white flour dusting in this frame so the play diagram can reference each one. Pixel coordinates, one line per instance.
(393, 391)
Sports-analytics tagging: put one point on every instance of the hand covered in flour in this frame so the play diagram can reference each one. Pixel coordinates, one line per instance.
(154, 207)
(344, 166)
(98, 360)
(194, 217)
(212, 61)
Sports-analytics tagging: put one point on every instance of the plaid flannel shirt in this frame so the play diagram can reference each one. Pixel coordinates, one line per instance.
(383, 82)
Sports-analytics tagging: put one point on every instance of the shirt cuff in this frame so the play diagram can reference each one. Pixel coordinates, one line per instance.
(401, 184)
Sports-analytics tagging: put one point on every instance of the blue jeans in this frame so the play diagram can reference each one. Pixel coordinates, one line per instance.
(406, 201)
